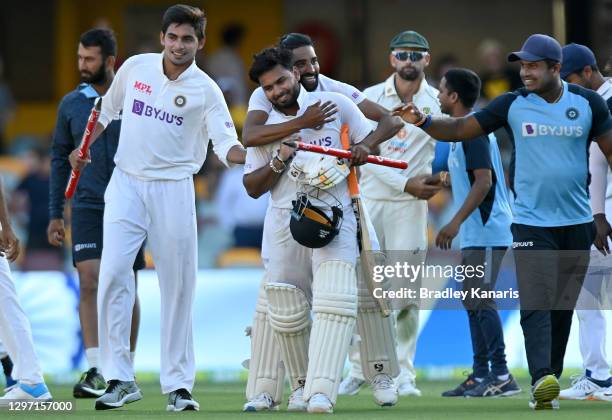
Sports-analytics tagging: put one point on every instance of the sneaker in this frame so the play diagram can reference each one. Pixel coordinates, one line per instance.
(384, 391)
(350, 386)
(319, 403)
(181, 400)
(603, 395)
(408, 388)
(581, 389)
(544, 393)
(493, 387)
(261, 402)
(296, 401)
(25, 392)
(462, 388)
(91, 385)
(117, 394)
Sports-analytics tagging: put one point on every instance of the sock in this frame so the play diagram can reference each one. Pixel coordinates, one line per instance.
(7, 366)
(92, 357)
(503, 377)
(132, 355)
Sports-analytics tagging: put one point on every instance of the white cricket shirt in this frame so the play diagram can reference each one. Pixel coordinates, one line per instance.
(284, 191)
(410, 144)
(166, 124)
(259, 102)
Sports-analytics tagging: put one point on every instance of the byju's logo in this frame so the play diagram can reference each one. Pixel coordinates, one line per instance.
(529, 130)
(144, 110)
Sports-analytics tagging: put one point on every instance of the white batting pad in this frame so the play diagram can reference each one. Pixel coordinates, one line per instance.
(335, 308)
(289, 317)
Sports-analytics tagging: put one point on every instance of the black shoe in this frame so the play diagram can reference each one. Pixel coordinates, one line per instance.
(91, 385)
(181, 400)
(462, 388)
(493, 387)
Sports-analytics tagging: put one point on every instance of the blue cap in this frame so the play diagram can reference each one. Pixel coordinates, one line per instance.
(538, 47)
(575, 58)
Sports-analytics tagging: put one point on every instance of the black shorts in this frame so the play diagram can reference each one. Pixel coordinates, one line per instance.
(87, 237)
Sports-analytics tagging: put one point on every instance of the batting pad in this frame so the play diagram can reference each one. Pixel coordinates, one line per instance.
(377, 333)
(266, 370)
(289, 317)
(335, 307)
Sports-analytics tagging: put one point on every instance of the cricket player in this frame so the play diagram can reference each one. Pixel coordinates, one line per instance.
(15, 331)
(96, 61)
(580, 67)
(551, 123)
(397, 199)
(266, 371)
(170, 111)
(299, 277)
(482, 222)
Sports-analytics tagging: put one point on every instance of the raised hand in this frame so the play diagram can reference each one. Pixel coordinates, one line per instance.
(409, 113)
(318, 114)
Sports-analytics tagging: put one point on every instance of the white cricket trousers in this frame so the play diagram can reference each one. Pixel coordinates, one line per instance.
(163, 212)
(400, 226)
(15, 331)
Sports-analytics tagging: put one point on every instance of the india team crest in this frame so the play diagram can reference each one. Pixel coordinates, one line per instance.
(180, 101)
(571, 113)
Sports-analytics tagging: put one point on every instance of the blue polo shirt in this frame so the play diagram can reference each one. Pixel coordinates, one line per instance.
(489, 224)
(549, 171)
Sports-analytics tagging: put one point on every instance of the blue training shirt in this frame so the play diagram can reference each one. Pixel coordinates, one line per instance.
(549, 171)
(489, 224)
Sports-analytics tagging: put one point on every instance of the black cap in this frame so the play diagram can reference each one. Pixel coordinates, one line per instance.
(538, 47)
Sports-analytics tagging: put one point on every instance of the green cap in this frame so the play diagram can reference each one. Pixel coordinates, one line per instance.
(409, 39)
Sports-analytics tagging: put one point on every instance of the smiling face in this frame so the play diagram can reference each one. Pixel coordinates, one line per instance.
(281, 86)
(537, 76)
(306, 61)
(180, 44)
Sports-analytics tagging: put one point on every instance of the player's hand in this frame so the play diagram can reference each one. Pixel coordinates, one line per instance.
(286, 153)
(9, 244)
(56, 232)
(76, 162)
(604, 231)
(409, 113)
(445, 237)
(418, 187)
(317, 114)
(360, 154)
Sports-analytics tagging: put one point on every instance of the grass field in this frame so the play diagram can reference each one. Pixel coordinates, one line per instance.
(224, 401)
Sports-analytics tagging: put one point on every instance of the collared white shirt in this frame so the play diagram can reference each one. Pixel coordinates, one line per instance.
(284, 191)
(166, 124)
(259, 102)
(411, 144)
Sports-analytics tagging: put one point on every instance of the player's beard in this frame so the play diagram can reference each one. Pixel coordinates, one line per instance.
(97, 78)
(290, 101)
(409, 73)
(309, 85)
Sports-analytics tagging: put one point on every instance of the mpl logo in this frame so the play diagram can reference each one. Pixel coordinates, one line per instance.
(529, 130)
(143, 87)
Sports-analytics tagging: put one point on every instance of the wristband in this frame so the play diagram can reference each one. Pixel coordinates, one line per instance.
(274, 168)
(425, 122)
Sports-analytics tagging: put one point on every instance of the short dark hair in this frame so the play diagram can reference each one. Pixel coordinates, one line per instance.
(294, 40)
(181, 13)
(103, 38)
(465, 83)
(267, 59)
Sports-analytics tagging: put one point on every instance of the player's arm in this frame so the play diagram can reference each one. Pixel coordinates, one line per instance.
(261, 180)
(598, 167)
(9, 244)
(372, 110)
(61, 146)
(256, 132)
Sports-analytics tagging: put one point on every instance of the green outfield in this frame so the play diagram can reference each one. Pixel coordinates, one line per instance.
(224, 401)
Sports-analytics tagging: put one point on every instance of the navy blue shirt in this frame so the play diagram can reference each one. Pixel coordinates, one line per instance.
(549, 171)
(72, 115)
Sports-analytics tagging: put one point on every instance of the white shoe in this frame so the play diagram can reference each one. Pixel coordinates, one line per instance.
(581, 389)
(350, 386)
(604, 395)
(384, 391)
(408, 388)
(24, 392)
(296, 401)
(261, 402)
(319, 403)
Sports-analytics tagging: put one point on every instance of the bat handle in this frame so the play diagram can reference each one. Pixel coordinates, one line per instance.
(72, 184)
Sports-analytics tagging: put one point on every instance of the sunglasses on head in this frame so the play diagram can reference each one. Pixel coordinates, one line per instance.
(413, 56)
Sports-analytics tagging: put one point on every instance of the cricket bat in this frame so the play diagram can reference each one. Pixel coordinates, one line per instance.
(84, 147)
(367, 257)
